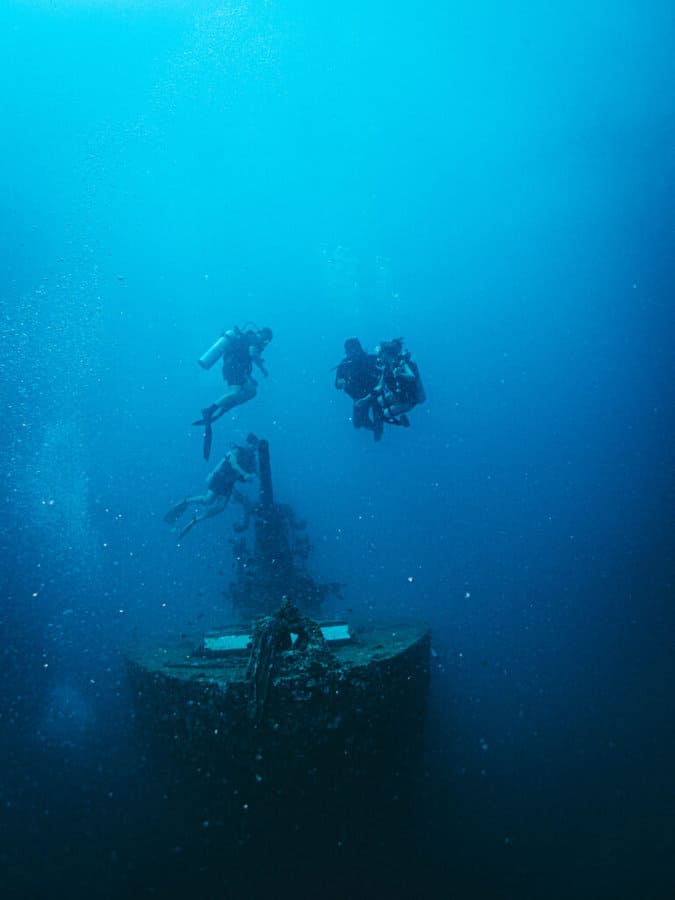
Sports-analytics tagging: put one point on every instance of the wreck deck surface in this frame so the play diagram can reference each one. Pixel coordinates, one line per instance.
(179, 659)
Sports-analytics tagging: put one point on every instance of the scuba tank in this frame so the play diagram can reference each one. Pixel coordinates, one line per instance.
(215, 351)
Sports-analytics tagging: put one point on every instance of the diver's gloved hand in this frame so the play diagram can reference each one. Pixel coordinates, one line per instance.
(400, 420)
(364, 400)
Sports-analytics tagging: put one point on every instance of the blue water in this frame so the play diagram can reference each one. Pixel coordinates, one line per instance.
(496, 183)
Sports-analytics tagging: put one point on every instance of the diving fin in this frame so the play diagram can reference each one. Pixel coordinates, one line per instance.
(175, 512)
(187, 527)
(207, 415)
(208, 440)
(210, 415)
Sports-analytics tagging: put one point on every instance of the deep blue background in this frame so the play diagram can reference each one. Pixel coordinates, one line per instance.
(495, 182)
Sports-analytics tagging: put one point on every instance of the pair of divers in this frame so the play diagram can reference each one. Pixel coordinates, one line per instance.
(384, 386)
(240, 349)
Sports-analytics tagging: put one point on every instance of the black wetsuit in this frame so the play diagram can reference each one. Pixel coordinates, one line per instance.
(358, 375)
(226, 476)
(237, 362)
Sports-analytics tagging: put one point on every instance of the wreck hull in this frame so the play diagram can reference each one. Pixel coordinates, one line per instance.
(361, 719)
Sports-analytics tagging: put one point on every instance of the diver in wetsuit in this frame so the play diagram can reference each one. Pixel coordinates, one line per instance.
(399, 387)
(358, 375)
(239, 464)
(240, 349)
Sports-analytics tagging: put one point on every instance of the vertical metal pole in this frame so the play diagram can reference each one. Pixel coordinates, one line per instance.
(266, 493)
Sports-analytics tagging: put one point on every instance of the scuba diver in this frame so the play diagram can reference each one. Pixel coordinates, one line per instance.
(240, 350)
(399, 387)
(358, 375)
(239, 464)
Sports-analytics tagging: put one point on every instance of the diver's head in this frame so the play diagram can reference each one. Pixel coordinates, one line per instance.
(252, 439)
(391, 349)
(265, 335)
(353, 347)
